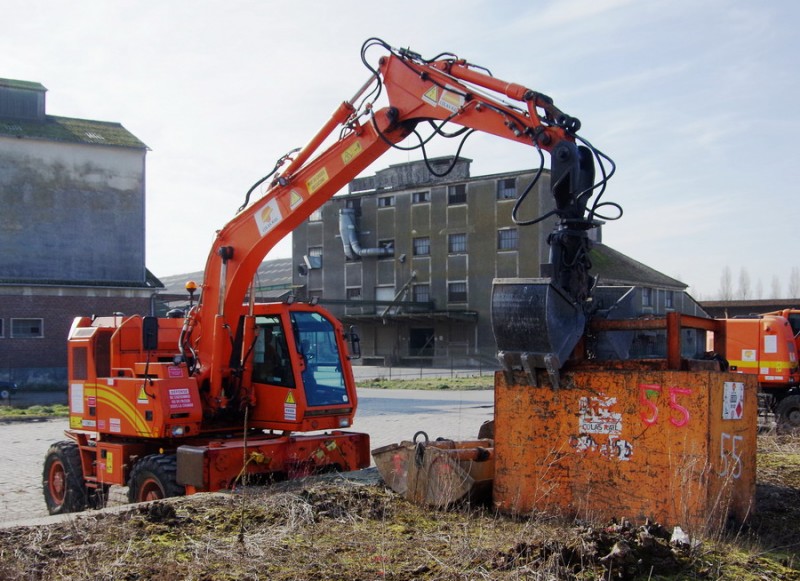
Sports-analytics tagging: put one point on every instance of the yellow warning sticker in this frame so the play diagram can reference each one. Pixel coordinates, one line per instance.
(295, 199)
(290, 398)
(351, 152)
(431, 96)
(142, 397)
(317, 180)
(75, 422)
(109, 462)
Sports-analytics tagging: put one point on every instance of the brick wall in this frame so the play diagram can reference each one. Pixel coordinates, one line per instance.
(43, 361)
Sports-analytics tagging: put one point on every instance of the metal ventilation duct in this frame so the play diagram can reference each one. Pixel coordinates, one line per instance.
(349, 233)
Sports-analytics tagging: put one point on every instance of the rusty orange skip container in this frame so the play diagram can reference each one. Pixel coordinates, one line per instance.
(678, 447)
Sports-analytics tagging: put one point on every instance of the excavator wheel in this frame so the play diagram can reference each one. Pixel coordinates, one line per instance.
(153, 478)
(64, 489)
(788, 414)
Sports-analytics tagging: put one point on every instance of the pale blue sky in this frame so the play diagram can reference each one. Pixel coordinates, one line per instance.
(694, 100)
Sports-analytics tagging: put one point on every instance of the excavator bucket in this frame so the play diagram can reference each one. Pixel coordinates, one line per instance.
(439, 473)
(536, 325)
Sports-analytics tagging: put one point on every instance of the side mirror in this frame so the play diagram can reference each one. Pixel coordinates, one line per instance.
(149, 333)
(355, 343)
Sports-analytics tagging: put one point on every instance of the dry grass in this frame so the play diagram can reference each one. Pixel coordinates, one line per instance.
(343, 530)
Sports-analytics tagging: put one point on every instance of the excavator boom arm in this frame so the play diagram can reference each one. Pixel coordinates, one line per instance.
(439, 91)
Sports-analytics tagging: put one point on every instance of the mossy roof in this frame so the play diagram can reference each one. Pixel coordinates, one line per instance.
(26, 85)
(614, 268)
(71, 130)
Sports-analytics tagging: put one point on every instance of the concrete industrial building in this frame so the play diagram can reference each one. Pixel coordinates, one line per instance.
(72, 230)
(410, 258)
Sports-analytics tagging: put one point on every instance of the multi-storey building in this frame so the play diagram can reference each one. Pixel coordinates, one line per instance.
(410, 258)
(72, 230)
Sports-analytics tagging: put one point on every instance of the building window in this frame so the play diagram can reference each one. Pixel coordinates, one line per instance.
(457, 292)
(420, 197)
(353, 203)
(421, 293)
(457, 194)
(507, 239)
(422, 246)
(386, 202)
(27, 328)
(354, 293)
(507, 189)
(669, 300)
(457, 243)
(315, 257)
(647, 297)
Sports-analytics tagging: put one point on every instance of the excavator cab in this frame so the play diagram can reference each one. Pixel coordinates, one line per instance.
(299, 375)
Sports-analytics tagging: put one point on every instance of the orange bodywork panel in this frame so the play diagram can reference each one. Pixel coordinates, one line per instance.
(218, 464)
(673, 446)
(763, 347)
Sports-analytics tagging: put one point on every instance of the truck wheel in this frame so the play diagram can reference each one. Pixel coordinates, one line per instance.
(153, 478)
(788, 414)
(64, 489)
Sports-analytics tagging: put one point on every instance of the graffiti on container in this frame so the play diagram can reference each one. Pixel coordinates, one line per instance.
(729, 452)
(650, 393)
(596, 416)
(599, 428)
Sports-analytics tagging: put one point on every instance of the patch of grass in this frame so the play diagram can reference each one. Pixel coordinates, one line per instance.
(432, 383)
(343, 530)
(34, 411)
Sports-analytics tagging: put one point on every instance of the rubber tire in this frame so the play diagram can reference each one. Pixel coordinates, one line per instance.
(788, 414)
(154, 477)
(62, 479)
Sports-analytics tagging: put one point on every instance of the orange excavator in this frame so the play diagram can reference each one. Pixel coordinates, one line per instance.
(234, 388)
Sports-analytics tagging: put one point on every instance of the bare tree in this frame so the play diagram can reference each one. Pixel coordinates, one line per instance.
(759, 290)
(794, 283)
(726, 284)
(744, 284)
(775, 290)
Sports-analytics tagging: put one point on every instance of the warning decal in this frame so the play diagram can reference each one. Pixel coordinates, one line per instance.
(431, 96)
(290, 408)
(451, 101)
(180, 399)
(142, 397)
(316, 181)
(295, 199)
(351, 152)
(733, 400)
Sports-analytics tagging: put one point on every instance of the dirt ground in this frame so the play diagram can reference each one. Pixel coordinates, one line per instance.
(339, 529)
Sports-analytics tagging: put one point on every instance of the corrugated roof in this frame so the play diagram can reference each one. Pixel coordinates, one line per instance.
(67, 129)
(151, 281)
(273, 275)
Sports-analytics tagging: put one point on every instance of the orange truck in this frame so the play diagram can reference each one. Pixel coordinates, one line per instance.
(233, 388)
(766, 346)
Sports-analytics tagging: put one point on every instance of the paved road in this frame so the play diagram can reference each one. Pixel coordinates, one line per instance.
(388, 416)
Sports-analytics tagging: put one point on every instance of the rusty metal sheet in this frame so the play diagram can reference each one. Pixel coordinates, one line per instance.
(674, 446)
(438, 473)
